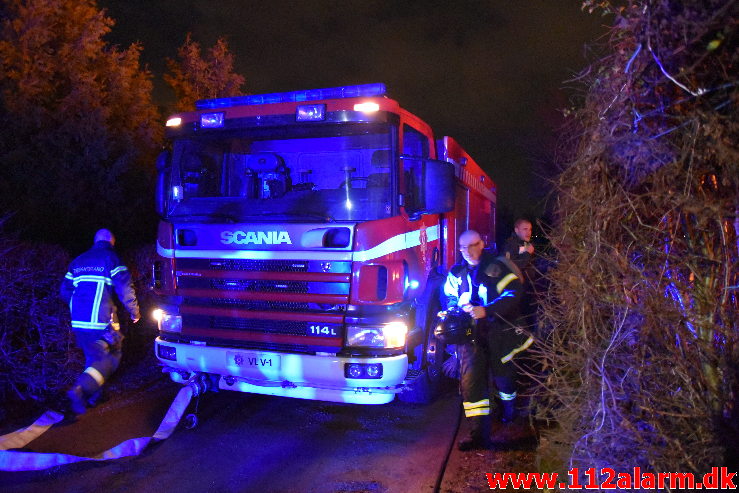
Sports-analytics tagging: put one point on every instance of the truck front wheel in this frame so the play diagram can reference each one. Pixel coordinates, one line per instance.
(426, 377)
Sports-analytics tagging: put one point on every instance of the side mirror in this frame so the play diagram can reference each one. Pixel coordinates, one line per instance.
(438, 186)
(433, 188)
(163, 170)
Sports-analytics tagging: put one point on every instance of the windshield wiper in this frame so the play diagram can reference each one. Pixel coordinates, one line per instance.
(288, 215)
(214, 215)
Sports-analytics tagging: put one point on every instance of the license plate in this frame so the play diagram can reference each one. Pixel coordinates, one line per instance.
(254, 360)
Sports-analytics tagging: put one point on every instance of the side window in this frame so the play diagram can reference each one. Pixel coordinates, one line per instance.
(415, 143)
(415, 150)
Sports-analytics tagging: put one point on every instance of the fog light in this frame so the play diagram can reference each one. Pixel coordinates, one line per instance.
(354, 371)
(363, 370)
(167, 352)
(374, 371)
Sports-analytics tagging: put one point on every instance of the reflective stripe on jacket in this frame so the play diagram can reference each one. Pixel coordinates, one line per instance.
(494, 283)
(89, 284)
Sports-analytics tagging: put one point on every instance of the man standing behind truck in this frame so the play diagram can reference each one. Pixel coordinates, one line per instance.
(88, 288)
(520, 250)
(518, 246)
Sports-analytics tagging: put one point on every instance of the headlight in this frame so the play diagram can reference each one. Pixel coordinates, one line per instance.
(168, 322)
(391, 335)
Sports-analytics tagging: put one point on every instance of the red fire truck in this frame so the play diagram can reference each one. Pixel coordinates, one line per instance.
(303, 239)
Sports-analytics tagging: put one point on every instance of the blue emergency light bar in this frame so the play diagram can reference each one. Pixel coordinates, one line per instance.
(360, 91)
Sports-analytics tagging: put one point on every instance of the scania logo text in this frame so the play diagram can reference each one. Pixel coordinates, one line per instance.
(255, 237)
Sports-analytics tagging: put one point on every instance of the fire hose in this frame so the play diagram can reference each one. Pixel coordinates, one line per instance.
(14, 460)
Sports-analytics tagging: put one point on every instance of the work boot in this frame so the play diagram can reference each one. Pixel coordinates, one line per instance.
(479, 435)
(98, 397)
(77, 400)
(473, 443)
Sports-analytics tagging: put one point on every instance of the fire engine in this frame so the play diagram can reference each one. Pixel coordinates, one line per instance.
(303, 239)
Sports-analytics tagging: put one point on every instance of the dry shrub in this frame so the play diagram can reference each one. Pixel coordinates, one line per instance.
(641, 348)
(37, 357)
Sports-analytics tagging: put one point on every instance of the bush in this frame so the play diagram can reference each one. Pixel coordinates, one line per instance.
(37, 356)
(643, 341)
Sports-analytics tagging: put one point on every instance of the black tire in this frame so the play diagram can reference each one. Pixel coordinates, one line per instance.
(428, 376)
(427, 385)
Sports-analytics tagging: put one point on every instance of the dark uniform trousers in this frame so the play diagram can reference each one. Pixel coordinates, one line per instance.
(101, 358)
(476, 361)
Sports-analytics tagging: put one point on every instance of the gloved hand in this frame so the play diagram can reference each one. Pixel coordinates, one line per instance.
(477, 312)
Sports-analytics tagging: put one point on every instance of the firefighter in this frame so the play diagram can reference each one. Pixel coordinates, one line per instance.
(88, 289)
(490, 289)
(518, 246)
(520, 250)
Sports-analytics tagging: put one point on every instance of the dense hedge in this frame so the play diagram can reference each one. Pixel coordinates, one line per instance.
(642, 314)
(38, 356)
(36, 348)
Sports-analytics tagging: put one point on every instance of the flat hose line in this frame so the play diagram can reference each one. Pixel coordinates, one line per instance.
(13, 460)
(445, 462)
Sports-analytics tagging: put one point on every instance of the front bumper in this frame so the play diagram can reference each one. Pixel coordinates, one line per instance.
(301, 376)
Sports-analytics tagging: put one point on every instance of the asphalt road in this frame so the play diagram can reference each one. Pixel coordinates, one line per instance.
(251, 443)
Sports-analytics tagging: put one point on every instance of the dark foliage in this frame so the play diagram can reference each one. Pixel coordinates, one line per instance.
(80, 129)
(36, 346)
(39, 359)
(641, 349)
(193, 77)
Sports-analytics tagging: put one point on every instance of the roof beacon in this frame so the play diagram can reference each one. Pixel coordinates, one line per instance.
(360, 91)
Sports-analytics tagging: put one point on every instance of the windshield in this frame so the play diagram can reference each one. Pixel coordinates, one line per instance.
(338, 172)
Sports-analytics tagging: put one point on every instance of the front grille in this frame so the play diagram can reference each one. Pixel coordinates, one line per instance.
(260, 306)
(240, 296)
(253, 265)
(261, 326)
(259, 265)
(264, 286)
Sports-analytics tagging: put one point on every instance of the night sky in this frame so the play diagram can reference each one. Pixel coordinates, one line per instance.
(489, 73)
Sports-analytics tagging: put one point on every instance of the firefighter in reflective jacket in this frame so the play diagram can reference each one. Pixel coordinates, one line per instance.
(491, 290)
(88, 288)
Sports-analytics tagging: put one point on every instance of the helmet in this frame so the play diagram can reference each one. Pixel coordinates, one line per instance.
(455, 328)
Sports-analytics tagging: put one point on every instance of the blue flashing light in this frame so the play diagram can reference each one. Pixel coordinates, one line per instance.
(359, 91)
(310, 112)
(211, 120)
